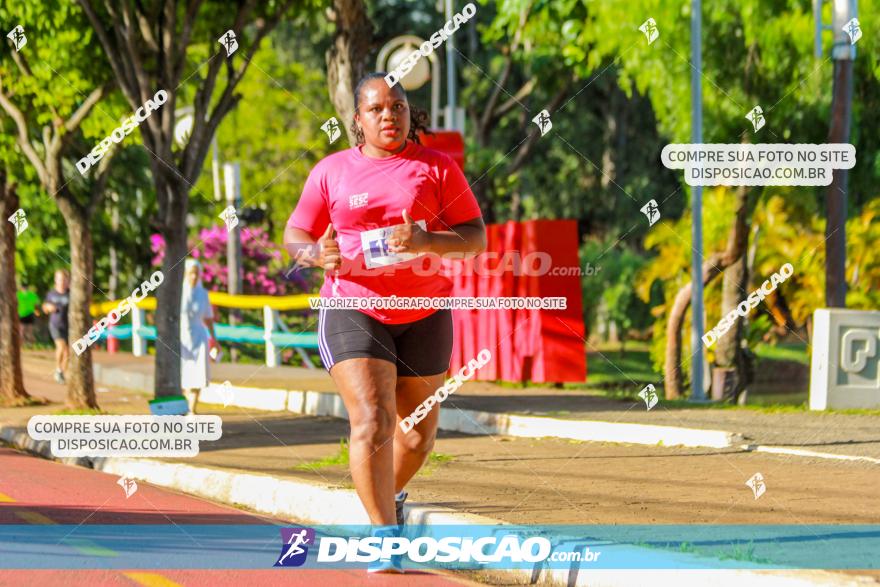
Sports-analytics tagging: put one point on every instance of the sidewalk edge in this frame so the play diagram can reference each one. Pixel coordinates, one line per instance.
(478, 422)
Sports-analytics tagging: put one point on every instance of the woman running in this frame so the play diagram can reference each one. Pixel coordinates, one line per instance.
(56, 303)
(385, 362)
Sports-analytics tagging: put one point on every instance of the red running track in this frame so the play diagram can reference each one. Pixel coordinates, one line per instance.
(37, 491)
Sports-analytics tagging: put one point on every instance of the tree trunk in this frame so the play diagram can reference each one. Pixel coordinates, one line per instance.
(729, 352)
(114, 258)
(737, 241)
(347, 57)
(167, 380)
(12, 392)
(672, 378)
(734, 283)
(516, 206)
(80, 382)
(780, 312)
(610, 113)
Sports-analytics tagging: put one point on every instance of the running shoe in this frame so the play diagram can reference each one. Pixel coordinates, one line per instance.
(59, 376)
(395, 563)
(386, 567)
(398, 506)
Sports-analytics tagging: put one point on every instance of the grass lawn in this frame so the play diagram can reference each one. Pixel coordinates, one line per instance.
(606, 364)
(435, 459)
(609, 366)
(786, 351)
(617, 375)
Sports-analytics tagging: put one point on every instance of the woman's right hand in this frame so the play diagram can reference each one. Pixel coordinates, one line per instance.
(328, 250)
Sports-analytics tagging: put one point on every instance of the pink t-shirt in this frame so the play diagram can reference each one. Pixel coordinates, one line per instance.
(357, 193)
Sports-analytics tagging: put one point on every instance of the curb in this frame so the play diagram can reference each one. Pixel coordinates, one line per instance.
(322, 403)
(321, 505)
(799, 452)
(122, 378)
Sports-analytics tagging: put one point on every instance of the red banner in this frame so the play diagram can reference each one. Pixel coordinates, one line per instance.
(447, 141)
(526, 345)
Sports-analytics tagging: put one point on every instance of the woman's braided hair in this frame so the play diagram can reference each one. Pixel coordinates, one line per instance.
(418, 118)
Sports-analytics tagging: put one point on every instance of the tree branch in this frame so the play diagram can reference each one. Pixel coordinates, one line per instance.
(114, 54)
(185, 34)
(47, 138)
(167, 30)
(101, 179)
(85, 108)
(204, 93)
(22, 63)
(138, 71)
(146, 31)
(23, 139)
(25, 69)
(526, 149)
(516, 99)
(227, 100)
(488, 113)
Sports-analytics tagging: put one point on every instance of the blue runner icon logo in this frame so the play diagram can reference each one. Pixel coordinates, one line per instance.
(295, 547)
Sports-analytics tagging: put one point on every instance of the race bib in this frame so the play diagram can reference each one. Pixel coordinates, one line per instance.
(376, 249)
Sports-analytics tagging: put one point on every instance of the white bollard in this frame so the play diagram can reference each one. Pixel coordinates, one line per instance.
(138, 343)
(845, 366)
(273, 353)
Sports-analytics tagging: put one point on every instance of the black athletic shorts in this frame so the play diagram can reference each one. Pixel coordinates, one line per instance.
(58, 331)
(423, 347)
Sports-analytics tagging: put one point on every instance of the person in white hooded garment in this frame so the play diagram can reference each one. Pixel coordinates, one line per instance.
(196, 333)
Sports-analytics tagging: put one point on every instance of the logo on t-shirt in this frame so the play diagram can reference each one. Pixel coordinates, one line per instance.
(357, 200)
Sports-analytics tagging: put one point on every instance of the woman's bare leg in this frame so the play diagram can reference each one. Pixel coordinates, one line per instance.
(411, 449)
(65, 355)
(59, 354)
(367, 388)
(192, 398)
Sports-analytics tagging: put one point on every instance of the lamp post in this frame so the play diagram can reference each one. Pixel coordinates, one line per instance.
(698, 393)
(451, 110)
(843, 53)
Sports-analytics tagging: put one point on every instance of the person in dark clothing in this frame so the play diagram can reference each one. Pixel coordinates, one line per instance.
(55, 304)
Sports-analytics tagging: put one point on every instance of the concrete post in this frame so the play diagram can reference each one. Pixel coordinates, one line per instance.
(273, 353)
(138, 343)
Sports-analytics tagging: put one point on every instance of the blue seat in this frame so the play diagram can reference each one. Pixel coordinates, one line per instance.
(225, 332)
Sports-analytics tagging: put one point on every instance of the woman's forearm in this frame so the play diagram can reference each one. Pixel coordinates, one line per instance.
(301, 247)
(463, 240)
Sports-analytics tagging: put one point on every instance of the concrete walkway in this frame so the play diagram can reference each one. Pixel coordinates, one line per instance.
(538, 411)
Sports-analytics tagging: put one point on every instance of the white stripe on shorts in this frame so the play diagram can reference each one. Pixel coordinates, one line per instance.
(323, 347)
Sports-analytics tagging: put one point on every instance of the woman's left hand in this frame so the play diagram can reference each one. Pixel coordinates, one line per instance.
(409, 237)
